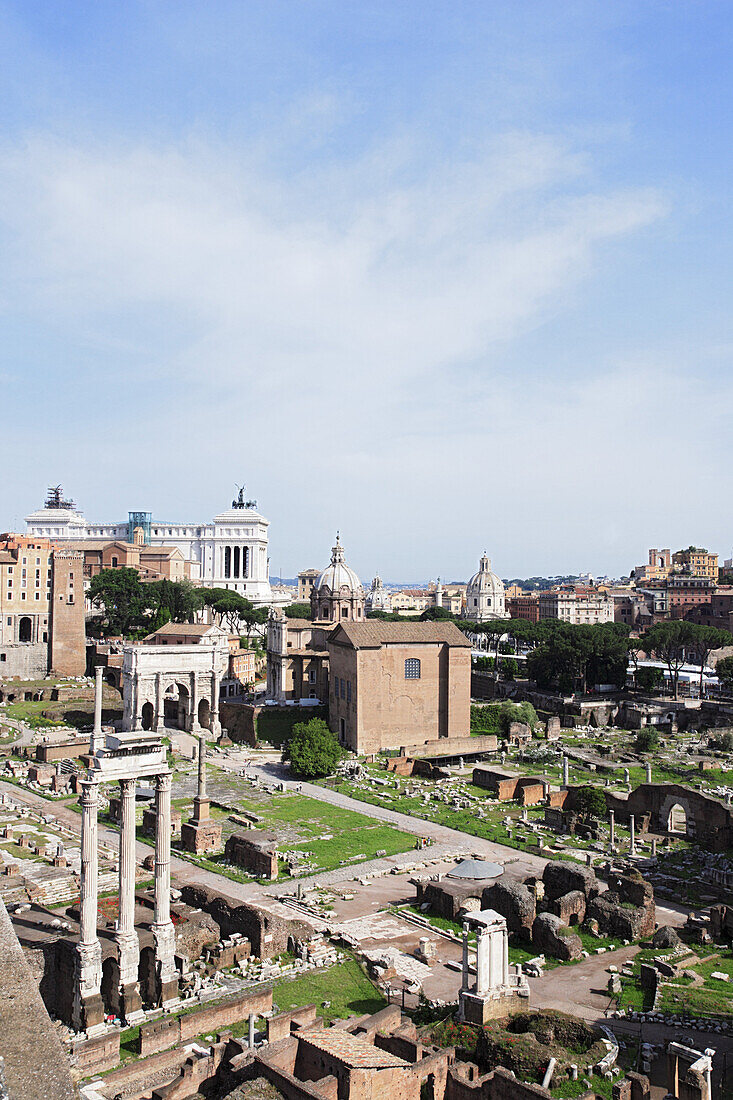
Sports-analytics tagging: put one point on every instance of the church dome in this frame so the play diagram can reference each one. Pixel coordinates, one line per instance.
(338, 575)
(337, 594)
(485, 593)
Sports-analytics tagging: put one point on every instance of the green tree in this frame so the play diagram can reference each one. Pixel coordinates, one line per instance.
(228, 607)
(669, 641)
(647, 739)
(724, 671)
(650, 678)
(509, 668)
(312, 749)
(438, 614)
(498, 717)
(702, 643)
(121, 595)
(589, 801)
(570, 658)
(180, 599)
(495, 631)
(298, 611)
(252, 617)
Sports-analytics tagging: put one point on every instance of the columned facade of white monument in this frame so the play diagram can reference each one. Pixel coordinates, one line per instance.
(231, 551)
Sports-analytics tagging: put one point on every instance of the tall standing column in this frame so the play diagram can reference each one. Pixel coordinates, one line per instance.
(126, 936)
(159, 704)
(163, 931)
(632, 827)
(504, 957)
(483, 946)
(87, 1009)
(201, 800)
(215, 724)
(464, 968)
(565, 771)
(612, 824)
(193, 718)
(97, 738)
(89, 863)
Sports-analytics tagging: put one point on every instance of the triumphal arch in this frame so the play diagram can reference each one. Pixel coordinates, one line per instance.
(173, 678)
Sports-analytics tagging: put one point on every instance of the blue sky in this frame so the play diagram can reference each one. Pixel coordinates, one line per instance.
(446, 276)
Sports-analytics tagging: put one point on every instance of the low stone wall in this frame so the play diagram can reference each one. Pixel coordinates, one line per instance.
(293, 1089)
(268, 933)
(525, 789)
(198, 1069)
(169, 1031)
(62, 750)
(500, 1084)
(453, 746)
(240, 721)
(407, 766)
(140, 1078)
(96, 1055)
(280, 1026)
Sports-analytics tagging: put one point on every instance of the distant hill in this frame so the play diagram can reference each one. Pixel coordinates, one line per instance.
(540, 584)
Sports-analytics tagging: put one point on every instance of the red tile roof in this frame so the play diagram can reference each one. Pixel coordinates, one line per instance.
(351, 1050)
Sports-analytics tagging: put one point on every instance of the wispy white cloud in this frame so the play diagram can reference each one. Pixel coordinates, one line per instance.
(398, 278)
(344, 296)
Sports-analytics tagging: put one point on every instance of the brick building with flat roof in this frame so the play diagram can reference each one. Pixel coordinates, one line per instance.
(42, 628)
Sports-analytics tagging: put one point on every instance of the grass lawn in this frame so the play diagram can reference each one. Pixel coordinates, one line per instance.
(490, 827)
(569, 1089)
(697, 1000)
(328, 836)
(721, 963)
(76, 713)
(345, 985)
(17, 852)
(129, 1043)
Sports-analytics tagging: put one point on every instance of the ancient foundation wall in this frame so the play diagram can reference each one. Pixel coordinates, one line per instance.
(160, 1034)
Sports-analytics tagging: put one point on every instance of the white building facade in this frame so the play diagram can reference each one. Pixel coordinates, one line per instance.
(229, 552)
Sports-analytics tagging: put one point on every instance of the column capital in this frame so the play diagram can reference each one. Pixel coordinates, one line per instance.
(163, 781)
(127, 786)
(90, 790)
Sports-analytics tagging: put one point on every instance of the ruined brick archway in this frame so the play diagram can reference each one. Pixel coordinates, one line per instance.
(110, 988)
(147, 977)
(677, 820)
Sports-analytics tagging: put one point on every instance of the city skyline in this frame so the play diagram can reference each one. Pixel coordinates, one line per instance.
(366, 571)
(441, 277)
